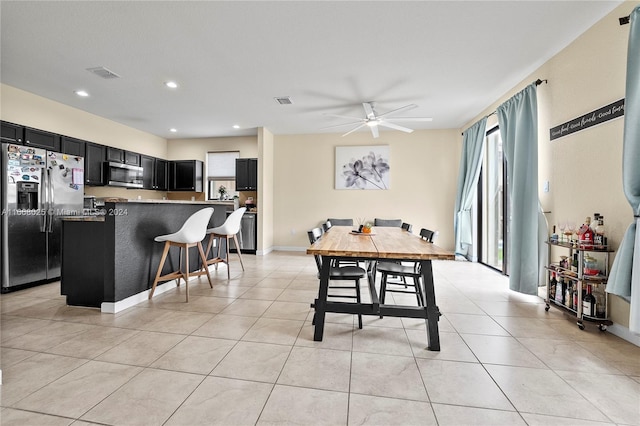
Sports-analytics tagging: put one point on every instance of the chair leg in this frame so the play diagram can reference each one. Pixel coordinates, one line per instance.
(419, 294)
(226, 259)
(186, 274)
(359, 301)
(162, 260)
(203, 257)
(383, 289)
(218, 251)
(235, 240)
(179, 266)
(209, 246)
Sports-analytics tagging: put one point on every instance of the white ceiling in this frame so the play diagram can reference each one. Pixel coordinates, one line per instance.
(451, 58)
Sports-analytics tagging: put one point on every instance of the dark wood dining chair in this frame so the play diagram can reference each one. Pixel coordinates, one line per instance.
(412, 271)
(340, 222)
(339, 273)
(392, 223)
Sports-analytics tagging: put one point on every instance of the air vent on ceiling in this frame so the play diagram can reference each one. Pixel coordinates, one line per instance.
(284, 100)
(103, 72)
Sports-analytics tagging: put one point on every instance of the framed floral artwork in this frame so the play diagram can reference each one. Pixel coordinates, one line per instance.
(362, 167)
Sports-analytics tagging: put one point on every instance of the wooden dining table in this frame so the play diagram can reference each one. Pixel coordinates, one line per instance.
(384, 243)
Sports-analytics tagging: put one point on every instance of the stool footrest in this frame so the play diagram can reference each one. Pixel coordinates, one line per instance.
(215, 260)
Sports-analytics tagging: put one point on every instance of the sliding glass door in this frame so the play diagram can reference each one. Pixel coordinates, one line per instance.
(493, 201)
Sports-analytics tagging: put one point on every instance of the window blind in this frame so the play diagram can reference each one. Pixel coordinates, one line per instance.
(222, 165)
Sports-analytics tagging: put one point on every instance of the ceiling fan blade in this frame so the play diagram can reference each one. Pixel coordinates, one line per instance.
(404, 108)
(395, 126)
(354, 129)
(374, 131)
(340, 125)
(409, 119)
(350, 117)
(368, 109)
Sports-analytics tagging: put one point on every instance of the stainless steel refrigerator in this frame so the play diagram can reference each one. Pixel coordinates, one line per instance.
(38, 187)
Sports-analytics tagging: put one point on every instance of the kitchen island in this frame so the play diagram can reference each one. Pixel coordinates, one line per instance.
(110, 260)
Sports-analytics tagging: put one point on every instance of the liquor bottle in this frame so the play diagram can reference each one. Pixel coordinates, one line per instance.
(568, 297)
(554, 236)
(560, 289)
(575, 297)
(599, 239)
(552, 286)
(585, 234)
(574, 263)
(601, 301)
(589, 303)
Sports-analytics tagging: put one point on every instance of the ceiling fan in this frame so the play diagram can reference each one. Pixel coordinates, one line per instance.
(373, 120)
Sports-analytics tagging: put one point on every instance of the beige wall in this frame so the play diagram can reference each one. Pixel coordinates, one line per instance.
(584, 168)
(197, 148)
(423, 180)
(266, 191)
(18, 106)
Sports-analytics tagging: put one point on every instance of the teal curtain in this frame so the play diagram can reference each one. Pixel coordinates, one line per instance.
(470, 161)
(518, 121)
(622, 280)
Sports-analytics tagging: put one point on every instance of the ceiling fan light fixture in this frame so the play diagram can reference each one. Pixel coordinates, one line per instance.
(373, 123)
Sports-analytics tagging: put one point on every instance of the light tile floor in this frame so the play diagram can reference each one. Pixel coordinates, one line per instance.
(243, 353)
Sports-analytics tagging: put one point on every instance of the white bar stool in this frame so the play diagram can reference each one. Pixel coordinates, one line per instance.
(191, 234)
(228, 231)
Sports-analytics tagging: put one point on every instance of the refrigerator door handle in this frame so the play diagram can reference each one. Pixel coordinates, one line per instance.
(52, 203)
(43, 207)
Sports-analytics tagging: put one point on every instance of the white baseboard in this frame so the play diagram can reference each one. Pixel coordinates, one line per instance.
(624, 333)
(263, 252)
(121, 305)
(289, 248)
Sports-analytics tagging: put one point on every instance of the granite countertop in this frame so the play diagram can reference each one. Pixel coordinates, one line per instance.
(84, 218)
(154, 201)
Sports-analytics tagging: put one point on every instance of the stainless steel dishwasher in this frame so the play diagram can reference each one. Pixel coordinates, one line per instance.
(247, 235)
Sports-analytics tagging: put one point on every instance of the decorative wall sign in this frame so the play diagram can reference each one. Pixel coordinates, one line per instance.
(593, 118)
(362, 167)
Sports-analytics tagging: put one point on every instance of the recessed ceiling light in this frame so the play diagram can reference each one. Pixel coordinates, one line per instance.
(173, 130)
(171, 84)
(235, 126)
(82, 93)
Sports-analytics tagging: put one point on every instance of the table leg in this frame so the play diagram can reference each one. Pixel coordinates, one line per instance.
(433, 312)
(321, 302)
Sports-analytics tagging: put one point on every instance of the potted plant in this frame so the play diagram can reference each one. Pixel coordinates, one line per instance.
(366, 228)
(222, 191)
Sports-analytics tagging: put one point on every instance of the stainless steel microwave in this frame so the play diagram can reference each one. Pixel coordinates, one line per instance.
(118, 174)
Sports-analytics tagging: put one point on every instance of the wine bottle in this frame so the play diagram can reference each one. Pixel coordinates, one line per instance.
(574, 263)
(589, 303)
